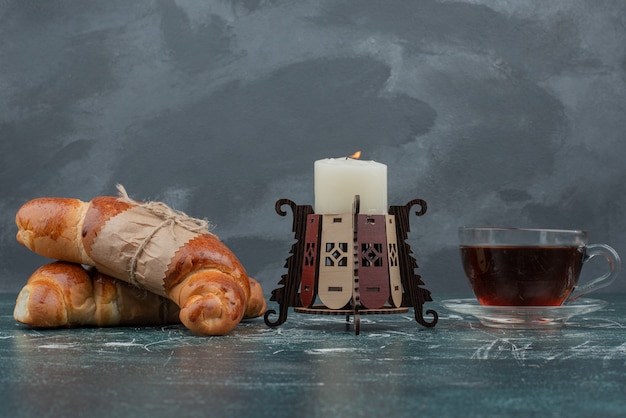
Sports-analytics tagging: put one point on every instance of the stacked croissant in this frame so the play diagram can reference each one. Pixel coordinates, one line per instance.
(123, 262)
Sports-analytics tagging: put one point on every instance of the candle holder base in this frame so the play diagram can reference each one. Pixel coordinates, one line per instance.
(323, 310)
(382, 279)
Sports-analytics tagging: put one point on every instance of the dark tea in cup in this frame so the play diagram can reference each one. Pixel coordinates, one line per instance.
(530, 267)
(517, 276)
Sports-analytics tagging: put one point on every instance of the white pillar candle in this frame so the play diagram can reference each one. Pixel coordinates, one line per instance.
(338, 180)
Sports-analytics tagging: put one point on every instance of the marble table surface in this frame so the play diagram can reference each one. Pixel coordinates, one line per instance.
(315, 365)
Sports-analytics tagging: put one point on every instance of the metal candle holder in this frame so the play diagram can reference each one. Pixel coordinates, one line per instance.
(351, 264)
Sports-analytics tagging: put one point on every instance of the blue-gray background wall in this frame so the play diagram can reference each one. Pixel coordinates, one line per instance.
(495, 112)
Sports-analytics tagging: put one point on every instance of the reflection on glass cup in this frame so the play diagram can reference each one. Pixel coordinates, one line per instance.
(531, 267)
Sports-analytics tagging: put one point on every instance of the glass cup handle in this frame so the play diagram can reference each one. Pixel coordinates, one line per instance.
(615, 265)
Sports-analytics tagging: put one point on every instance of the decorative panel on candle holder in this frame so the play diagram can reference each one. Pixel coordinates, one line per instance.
(373, 268)
(395, 282)
(335, 273)
(310, 264)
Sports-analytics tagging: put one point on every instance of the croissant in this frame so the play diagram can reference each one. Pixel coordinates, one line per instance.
(62, 294)
(150, 246)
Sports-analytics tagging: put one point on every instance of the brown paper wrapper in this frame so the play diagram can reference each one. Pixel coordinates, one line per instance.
(138, 244)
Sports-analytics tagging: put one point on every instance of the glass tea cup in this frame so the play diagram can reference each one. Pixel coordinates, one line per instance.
(531, 267)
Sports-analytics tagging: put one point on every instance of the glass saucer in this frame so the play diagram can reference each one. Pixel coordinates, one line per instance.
(529, 317)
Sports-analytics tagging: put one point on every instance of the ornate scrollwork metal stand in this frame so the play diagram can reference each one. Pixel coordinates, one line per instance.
(382, 280)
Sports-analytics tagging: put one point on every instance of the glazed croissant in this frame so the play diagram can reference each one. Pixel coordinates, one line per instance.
(63, 294)
(150, 246)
